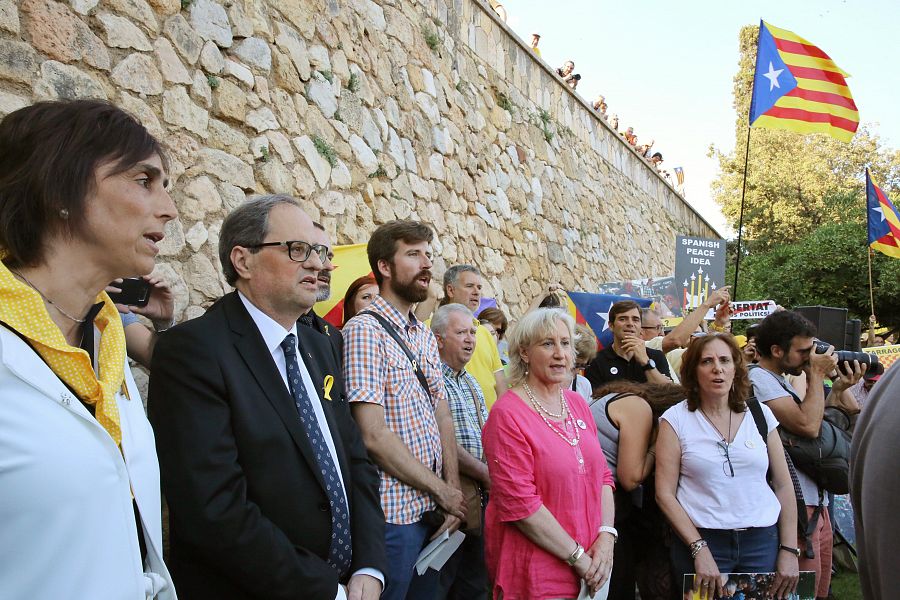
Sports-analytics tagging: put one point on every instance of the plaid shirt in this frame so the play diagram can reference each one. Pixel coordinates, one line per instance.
(464, 394)
(377, 370)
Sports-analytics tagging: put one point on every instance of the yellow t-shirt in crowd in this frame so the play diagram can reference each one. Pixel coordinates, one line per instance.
(485, 362)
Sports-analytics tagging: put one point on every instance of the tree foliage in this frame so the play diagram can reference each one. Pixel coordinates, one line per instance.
(828, 267)
(804, 235)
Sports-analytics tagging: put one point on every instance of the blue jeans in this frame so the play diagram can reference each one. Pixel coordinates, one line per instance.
(402, 546)
(752, 550)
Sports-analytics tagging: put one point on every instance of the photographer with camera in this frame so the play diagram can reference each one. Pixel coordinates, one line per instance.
(786, 345)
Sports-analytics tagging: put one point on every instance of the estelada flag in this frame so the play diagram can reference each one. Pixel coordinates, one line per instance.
(796, 86)
(350, 263)
(884, 220)
(593, 310)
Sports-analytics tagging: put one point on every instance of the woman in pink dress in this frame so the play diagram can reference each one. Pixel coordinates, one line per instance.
(548, 526)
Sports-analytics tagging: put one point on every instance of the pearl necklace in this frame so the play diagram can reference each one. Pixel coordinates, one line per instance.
(565, 415)
(541, 408)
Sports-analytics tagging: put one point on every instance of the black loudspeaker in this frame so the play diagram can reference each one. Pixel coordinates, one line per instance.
(831, 323)
(851, 338)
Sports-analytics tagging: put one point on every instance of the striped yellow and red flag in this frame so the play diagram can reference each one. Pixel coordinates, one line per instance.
(796, 86)
(350, 263)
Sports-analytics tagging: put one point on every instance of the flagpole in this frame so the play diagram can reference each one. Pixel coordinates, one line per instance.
(871, 335)
(737, 263)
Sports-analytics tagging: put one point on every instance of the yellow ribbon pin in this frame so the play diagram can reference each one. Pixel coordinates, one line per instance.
(326, 331)
(327, 385)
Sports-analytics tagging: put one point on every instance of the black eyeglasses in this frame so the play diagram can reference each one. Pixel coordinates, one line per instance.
(656, 327)
(723, 446)
(299, 251)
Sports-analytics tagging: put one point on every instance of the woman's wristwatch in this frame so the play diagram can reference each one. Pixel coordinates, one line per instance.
(608, 529)
(697, 546)
(573, 558)
(794, 551)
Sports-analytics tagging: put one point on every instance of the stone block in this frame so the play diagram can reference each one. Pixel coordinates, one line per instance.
(11, 103)
(255, 53)
(9, 16)
(211, 58)
(144, 113)
(239, 72)
(138, 11)
(364, 155)
(170, 65)
(196, 236)
(319, 166)
(210, 21)
(321, 93)
(285, 112)
(200, 89)
(226, 167)
(277, 178)
(262, 119)
(18, 61)
(185, 39)
(289, 42)
(138, 73)
(199, 198)
(61, 35)
(59, 81)
(180, 111)
(229, 101)
(122, 33)
(166, 7)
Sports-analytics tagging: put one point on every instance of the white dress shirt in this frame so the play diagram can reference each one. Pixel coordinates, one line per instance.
(273, 334)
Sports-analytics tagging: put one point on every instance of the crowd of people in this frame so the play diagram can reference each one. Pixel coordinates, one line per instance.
(567, 73)
(302, 460)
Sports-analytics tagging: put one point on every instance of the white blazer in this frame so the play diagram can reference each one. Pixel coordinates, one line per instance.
(67, 526)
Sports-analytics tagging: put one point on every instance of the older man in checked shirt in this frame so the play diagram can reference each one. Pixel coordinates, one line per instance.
(407, 428)
(464, 577)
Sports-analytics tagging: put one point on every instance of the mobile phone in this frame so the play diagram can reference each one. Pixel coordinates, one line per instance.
(135, 292)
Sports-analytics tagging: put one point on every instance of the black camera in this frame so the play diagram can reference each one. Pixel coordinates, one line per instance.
(844, 357)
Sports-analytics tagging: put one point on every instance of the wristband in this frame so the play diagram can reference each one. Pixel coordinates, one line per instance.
(794, 551)
(697, 546)
(608, 529)
(573, 558)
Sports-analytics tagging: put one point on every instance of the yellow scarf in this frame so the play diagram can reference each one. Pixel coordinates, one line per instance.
(23, 309)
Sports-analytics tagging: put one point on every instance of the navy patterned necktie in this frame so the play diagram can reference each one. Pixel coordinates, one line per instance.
(339, 552)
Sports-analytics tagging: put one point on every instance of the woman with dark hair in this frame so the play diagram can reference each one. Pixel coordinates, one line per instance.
(83, 202)
(359, 295)
(626, 414)
(711, 476)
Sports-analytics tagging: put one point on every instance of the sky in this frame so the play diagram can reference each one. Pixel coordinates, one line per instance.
(667, 68)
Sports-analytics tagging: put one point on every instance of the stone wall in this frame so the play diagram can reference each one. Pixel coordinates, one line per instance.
(367, 111)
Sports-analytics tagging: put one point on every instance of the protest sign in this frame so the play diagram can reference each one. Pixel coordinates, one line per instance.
(699, 269)
(887, 355)
(748, 309)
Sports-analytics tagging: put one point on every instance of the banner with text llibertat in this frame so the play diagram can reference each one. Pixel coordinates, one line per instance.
(699, 269)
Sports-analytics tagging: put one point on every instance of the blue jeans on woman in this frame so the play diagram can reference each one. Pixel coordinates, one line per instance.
(751, 550)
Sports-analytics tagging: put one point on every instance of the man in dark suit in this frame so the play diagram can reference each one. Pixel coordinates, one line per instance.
(271, 493)
(311, 319)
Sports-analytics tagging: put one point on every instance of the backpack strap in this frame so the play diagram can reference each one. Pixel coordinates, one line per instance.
(389, 328)
(780, 381)
(805, 526)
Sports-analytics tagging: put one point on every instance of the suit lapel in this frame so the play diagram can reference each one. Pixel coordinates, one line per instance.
(253, 351)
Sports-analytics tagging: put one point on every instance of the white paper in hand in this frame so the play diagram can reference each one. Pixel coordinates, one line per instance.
(601, 594)
(438, 552)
